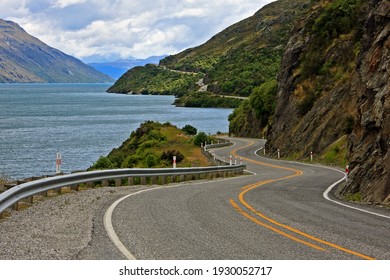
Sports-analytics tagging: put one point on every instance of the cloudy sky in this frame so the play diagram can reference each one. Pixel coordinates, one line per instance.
(99, 30)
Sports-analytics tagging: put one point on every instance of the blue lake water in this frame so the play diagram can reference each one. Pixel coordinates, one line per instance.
(82, 122)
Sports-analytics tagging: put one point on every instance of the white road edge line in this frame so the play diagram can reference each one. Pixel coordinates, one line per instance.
(107, 219)
(329, 189)
(326, 196)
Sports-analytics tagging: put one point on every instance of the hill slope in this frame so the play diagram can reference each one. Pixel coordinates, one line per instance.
(24, 58)
(333, 93)
(153, 145)
(233, 62)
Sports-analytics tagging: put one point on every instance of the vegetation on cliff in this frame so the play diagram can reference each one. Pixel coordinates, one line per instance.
(151, 79)
(154, 144)
(332, 93)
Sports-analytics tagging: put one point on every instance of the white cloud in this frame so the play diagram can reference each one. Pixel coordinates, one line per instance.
(122, 28)
(65, 3)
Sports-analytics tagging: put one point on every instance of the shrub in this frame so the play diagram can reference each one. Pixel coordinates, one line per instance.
(103, 163)
(189, 130)
(130, 161)
(200, 138)
(151, 160)
(168, 156)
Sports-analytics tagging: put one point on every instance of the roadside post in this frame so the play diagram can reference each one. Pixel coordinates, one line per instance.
(58, 163)
(346, 173)
(174, 161)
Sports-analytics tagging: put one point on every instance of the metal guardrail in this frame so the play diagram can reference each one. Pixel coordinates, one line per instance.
(29, 189)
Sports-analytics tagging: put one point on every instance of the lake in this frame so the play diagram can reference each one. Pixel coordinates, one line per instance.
(82, 122)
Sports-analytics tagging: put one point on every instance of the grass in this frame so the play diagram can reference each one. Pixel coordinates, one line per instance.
(336, 153)
(356, 197)
(153, 145)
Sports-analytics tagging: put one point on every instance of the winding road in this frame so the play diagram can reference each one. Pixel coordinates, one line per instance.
(279, 212)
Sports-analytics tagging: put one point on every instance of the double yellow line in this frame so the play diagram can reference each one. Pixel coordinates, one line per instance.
(253, 214)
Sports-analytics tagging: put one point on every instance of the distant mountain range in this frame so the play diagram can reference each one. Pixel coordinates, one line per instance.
(117, 68)
(25, 59)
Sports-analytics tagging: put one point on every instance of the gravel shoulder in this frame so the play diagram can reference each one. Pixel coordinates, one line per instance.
(61, 227)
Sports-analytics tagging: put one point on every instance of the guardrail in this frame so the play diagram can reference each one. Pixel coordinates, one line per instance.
(211, 157)
(16, 194)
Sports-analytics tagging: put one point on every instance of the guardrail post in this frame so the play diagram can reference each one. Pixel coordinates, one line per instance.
(154, 180)
(3, 215)
(143, 180)
(130, 181)
(64, 190)
(163, 180)
(16, 206)
(49, 193)
(118, 182)
(105, 183)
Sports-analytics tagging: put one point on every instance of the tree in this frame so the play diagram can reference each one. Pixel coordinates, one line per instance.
(200, 138)
(189, 130)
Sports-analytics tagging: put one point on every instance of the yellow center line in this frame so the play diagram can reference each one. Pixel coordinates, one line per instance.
(250, 187)
(242, 212)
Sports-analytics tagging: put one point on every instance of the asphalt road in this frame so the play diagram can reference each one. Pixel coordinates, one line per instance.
(279, 213)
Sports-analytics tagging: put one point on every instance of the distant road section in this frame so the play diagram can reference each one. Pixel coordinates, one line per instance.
(279, 213)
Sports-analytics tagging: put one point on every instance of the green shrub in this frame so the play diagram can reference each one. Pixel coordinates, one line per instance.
(189, 130)
(103, 163)
(200, 138)
(131, 161)
(339, 17)
(151, 160)
(263, 99)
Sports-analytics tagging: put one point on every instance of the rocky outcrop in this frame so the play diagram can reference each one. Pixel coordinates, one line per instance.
(336, 86)
(370, 140)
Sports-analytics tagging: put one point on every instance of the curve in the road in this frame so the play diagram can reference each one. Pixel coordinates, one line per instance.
(175, 227)
(296, 173)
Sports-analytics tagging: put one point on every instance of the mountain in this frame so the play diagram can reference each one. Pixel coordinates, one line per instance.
(25, 59)
(333, 95)
(232, 63)
(117, 68)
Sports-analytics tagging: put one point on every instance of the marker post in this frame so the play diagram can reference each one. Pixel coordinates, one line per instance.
(58, 163)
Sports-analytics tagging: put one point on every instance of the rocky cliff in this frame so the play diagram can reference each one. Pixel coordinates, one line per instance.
(333, 93)
(25, 59)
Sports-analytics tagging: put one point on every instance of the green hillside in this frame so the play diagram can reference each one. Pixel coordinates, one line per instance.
(154, 144)
(232, 63)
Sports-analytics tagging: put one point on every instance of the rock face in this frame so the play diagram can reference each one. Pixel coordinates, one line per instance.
(25, 59)
(370, 139)
(334, 87)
